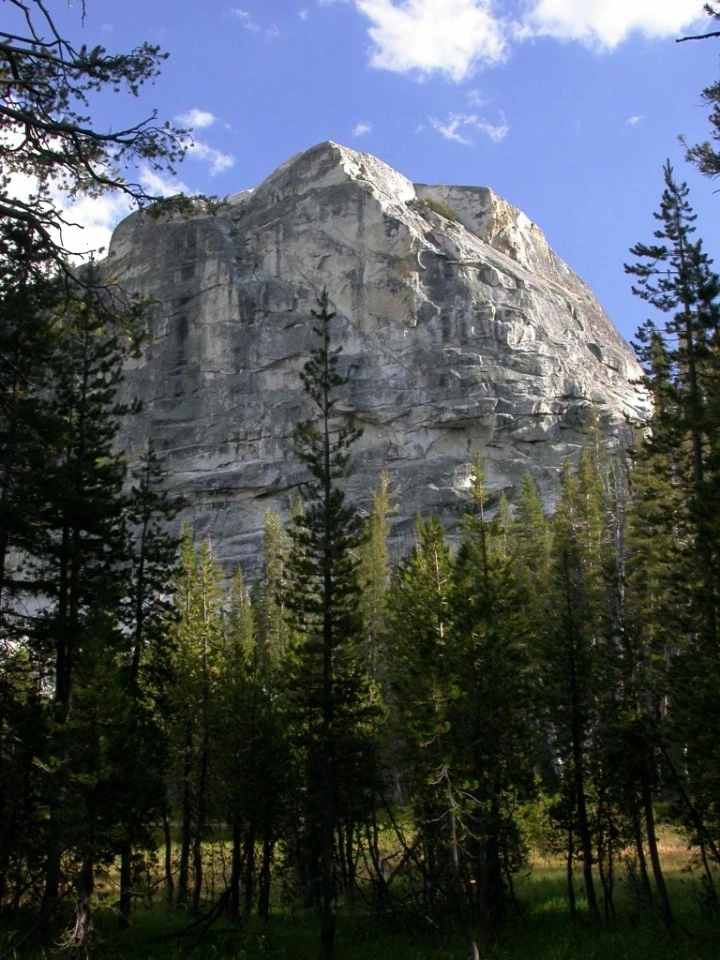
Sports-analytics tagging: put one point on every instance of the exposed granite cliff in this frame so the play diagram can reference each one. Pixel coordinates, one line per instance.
(460, 329)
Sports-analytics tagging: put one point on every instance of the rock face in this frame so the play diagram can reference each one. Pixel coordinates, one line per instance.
(460, 330)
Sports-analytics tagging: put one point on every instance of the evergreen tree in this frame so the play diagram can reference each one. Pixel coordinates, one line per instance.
(139, 758)
(705, 155)
(252, 761)
(77, 538)
(489, 707)
(418, 632)
(682, 364)
(324, 599)
(577, 627)
(196, 634)
(375, 575)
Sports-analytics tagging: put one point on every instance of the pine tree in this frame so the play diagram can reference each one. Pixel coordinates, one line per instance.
(196, 639)
(77, 537)
(139, 759)
(418, 636)
(682, 364)
(577, 627)
(324, 599)
(705, 155)
(375, 575)
(28, 339)
(489, 706)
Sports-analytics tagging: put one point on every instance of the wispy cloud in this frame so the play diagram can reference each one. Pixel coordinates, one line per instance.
(245, 19)
(361, 129)
(162, 185)
(303, 14)
(216, 159)
(476, 99)
(196, 119)
(251, 24)
(634, 120)
(451, 128)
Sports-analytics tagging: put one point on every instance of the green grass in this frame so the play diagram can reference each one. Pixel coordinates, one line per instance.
(540, 930)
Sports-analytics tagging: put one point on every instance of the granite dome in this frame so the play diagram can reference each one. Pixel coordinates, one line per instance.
(460, 329)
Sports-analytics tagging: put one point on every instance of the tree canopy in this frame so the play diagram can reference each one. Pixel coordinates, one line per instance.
(46, 131)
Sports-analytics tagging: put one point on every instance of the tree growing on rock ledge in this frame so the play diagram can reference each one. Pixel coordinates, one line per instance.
(331, 709)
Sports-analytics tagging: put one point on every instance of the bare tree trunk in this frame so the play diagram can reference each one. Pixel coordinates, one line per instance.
(264, 879)
(82, 931)
(183, 886)
(125, 882)
(169, 880)
(570, 882)
(200, 826)
(460, 889)
(249, 881)
(642, 863)
(234, 889)
(662, 894)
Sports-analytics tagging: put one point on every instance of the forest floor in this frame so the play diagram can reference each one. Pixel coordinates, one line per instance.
(540, 929)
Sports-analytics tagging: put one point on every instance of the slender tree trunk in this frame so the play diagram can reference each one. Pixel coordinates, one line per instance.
(581, 802)
(183, 885)
(642, 863)
(169, 880)
(570, 882)
(125, 881)
(662, 894)
(200, 826)
(249, 880)
(234, 890)
(264, 878)
(82, 932)
(460, 889)
(709, 882)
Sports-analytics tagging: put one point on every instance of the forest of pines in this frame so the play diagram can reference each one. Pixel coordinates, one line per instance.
(393, 740)
(401, 733)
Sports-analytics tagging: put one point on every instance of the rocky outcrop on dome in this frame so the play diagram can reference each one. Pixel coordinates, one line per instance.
(460, 329)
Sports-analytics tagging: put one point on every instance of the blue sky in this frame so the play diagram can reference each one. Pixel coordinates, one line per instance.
(567, 108)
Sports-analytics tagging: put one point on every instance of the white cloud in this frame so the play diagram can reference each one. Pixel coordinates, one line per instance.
(360, 129)
(450, 129)
(427, 36)
(634, 120)
(246, 19)
(496, 131)
(196, 119)
(218, 161)
(303, 14)
(159, 185)
(476, 99)
(606, 23)
(249, 22)
(454, 37)
(90, 221)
